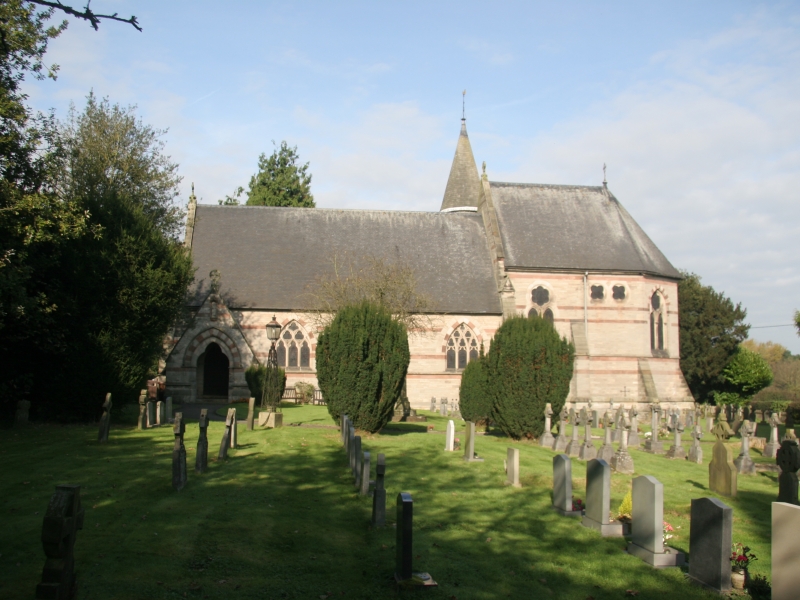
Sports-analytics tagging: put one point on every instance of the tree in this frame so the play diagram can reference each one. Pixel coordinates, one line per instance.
(280, 181)
(797, 321)
(362, 360)
(474, 401)
(711, 328)
(87, 14)
(770, 351)
(746, 374)
(529, 365)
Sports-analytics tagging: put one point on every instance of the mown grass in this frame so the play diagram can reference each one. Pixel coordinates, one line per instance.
(281, 518)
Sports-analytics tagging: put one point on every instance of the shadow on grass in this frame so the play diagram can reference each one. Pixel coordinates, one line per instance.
(403, 428)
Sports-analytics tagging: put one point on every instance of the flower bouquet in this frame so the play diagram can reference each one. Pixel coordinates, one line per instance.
(741, 557)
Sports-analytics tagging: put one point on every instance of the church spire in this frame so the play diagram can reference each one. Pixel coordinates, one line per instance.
(463, 185)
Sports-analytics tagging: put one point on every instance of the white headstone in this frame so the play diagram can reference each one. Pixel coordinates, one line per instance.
(450, 436)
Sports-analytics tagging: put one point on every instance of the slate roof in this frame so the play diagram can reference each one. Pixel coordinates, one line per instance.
(463, 185)
(567, 227)
(270, 257)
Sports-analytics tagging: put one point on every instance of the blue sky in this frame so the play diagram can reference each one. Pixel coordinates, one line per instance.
(694, 106)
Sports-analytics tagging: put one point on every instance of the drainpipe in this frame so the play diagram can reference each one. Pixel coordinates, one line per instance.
(586, 305)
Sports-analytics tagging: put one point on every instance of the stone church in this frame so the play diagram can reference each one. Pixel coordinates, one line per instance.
(571, 254)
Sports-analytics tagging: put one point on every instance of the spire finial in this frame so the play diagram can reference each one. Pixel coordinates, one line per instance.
(463, 105)
(605, 183)
(192, 198)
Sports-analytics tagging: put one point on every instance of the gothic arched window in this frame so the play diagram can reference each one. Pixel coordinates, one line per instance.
(540, 297)
(656, 323)
(293, 349)
(462, 347)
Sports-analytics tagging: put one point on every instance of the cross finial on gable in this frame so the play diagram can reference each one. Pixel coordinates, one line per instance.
(605, 183)
(463, 105)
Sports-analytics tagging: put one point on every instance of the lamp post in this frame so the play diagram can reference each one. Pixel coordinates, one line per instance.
(273, 333)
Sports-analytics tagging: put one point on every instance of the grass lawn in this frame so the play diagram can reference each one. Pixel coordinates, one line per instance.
(281, 518)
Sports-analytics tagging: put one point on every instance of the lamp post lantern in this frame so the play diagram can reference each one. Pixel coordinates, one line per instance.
(273, 333)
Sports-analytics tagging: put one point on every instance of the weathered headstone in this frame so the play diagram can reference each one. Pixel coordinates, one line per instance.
(178, 454)
(365, 475)
(547, 441)
(696, 450)
(677, 451)
(560, 443)
(201, 455)
(105, 420)
(653, 445)
(23, 412)
(622, 461)
(598, 499)
(573, 448)
(512, 467)
(443, 407)
(737, 421)
(469, 444)
(789, 461)
(721, 470)
(169, 408)
(226, 439)
(615, 434)
(357, 461)
(142, 423)
(450, 436)
(403, 572)
(151, 414)
(251, 413)
(633, 436)
(379, 495)
(562, 486)
(785, 550)
(63, 519)
(433, 404)
(647, 534)
(587, 450)
(606, 451)
(710, 419)
(744, 463)
(711, 538)
(789, 434)
(161, 413)
(234, 428)
(771, 449)
(351, 445)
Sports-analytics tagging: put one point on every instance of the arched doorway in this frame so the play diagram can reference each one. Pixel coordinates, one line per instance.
(212, 373)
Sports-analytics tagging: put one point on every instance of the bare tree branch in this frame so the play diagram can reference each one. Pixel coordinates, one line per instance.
(87, 13)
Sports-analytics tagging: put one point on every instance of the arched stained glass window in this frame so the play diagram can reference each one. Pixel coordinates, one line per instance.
(656, 324)
(305, 355)
(533, 313)
(541, 299)
(293, 348)
(548, 315)
(540, 296)
(462, 347)
(281, 349)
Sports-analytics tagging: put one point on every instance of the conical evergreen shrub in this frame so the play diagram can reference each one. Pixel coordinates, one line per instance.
(362, 360)
(474, 401)
(528, 365)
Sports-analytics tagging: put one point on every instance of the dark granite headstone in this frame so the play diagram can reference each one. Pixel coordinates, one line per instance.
(365, 475)
(151, 413)
(251, 413)
(105, 420)
(403, 573)
(178, 454)
(562, 486)
(598, 499)
(379, 496)
(201, 460)
(357, 461)
(789, 461)
(710, 538)
(63, 519)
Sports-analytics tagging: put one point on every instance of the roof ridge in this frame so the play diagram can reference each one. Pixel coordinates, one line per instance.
(550, 185)
(335, 210)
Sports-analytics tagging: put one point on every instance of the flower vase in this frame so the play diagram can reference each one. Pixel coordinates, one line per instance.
(738, 578)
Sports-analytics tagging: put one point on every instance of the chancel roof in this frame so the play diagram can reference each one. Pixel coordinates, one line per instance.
(566, 227)
(271, 257)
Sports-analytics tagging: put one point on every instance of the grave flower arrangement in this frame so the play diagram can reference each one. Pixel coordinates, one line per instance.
(668, 529)
(741, 557)
(577, 504)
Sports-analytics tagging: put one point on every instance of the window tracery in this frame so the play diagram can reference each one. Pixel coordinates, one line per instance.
(657, 324)
(293, 349)
(540, 297)
(462, 347)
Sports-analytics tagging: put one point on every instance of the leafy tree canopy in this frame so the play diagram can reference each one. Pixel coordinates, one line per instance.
(770, 351)
(281, 181)
(711, 328)
(746, 374)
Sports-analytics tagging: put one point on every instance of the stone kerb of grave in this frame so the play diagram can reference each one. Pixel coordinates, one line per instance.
(722, 474)
(404, 573)
(105, 421)
(379, 495)
(63, 519)
(547, 440)
(598, 499)
(512, 467)
(647, 535)
(562, 486)
(789, 461)
(179, 454)
(201, 455)
(711, 538)
(744, 463)
(785, 550)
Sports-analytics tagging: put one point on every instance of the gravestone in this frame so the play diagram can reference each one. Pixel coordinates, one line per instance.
(142, 423)
(560, 443)
(178, 454)
(379, 495)
(616, 434)
(647, 533)
(689, 420)
(63, 519)
(161, 413)
(737, 421)
(606, 451)
(433, 404)
(789, 434)
(403, 571)
(710, 421)
(676, 451)
(622, 462)
(251, 413)
(721, 470)
(547, 441)
(587, 451)
(744, 463)
(343, 430)
(23, 412)
(365, 475)
(598, 499)
(785, 550)
(105, 420)
(443, 407)
(590, 412)
(789, 461)
(574, 446)
(357, 461)
(234, 428)
(169, 408)
(633, 436)
(450, 436)
(351, 444)
(562, 486)
(653, 445)
(512, 467)
(696, 450)
(771, 449)
(151, 413)
(711, 538)
(469, 444)
(201, 455)
(226, 439)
